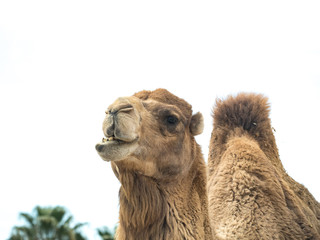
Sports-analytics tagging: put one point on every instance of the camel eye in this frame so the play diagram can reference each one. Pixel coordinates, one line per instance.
(172, 120)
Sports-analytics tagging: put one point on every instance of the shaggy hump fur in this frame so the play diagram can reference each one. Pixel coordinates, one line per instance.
(250, 194)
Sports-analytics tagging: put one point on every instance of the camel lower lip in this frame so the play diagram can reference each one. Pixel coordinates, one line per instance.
(112, 141)
(116, 150)
(101, 145)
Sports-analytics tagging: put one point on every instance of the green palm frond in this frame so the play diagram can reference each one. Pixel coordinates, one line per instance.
(15, 237)
(67, 221)
(27, 232)
(42, 211)
(47, 223)
(79, 225)
(78, 236)
(105, 233)
(28, 218)
(58, 213)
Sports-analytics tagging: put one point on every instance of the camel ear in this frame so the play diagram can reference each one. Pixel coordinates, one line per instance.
(196, 124)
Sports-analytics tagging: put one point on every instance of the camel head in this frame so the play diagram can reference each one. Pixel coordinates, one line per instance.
(151, 132)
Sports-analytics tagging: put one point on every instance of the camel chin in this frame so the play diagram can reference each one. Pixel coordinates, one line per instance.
(115, 150)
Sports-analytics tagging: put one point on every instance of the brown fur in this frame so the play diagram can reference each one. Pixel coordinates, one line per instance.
(163, 175)
(250, 194)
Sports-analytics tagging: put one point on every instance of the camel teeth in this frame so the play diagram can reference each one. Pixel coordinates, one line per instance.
(109, 139)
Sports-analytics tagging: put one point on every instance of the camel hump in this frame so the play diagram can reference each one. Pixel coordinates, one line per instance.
(244, 113)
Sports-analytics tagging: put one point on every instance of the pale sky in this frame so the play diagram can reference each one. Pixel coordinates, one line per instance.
(63, 62)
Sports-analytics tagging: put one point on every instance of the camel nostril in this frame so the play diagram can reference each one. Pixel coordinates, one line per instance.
(127, 109)
(123, 108)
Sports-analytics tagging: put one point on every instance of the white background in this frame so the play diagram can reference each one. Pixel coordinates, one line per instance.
(63, 62)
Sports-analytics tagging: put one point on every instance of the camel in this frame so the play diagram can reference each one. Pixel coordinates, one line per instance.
(149, 140)
(250, 194)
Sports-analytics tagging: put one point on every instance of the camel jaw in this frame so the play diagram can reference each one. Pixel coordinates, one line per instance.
(113, 149)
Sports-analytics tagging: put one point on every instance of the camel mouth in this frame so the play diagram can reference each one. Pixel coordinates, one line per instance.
(111, 140)
(115, 140)
(108, 142)
(112, 148)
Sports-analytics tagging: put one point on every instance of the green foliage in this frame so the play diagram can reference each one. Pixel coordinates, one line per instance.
(47, 223)
(105, 233)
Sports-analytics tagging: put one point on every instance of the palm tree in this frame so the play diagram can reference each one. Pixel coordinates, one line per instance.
(105, 233)
(47, 223)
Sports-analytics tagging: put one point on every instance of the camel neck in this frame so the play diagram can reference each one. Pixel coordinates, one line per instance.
(149, 210)
(143, 207)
